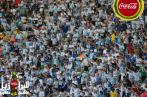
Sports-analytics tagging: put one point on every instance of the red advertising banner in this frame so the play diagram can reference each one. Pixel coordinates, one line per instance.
(128, 9)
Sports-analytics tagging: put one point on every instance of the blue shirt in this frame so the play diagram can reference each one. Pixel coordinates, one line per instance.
(65, 28)
(107, 40)
(55, 18)
(100, 95)
(74, 55)
(118, 40)
(99, 43)
(118, 28)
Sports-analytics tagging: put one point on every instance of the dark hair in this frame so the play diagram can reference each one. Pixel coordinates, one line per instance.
(112, 89)
(101, 92)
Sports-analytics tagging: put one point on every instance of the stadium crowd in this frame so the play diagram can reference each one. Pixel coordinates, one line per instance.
(73, 48)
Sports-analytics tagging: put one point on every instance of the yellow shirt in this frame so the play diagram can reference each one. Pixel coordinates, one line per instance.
(113, 94)
(1, 35)
(16, 32)
(24, 36)
(113, 37)
(5, 38)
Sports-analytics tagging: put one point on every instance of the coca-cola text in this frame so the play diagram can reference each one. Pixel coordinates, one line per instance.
(128, 6)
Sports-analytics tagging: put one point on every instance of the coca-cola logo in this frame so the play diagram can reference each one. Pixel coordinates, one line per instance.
(14, 83)
(128, 6)
(128, 9)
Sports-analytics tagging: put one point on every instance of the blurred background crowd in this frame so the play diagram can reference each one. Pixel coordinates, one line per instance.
(73, 48)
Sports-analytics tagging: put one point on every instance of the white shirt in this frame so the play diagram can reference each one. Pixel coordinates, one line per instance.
(93, 79)
(130, 75)
(54, 41)
(41, 94)
(136, 76)
(76, 92)
(146, 18)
